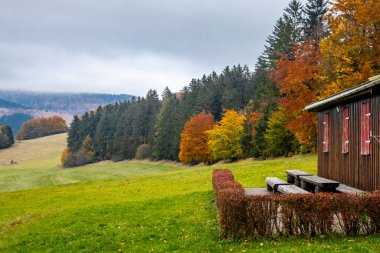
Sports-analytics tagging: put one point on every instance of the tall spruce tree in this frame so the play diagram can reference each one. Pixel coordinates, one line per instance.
(287, 32)
(315, 27)
(6, 136)
(164, 145)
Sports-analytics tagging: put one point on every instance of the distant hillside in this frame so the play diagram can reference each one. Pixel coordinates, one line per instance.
(8, 104)
(14, 120)
(16, 107)
(70, 103)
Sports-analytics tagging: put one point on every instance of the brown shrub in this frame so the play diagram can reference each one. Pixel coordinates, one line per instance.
(295, 214)
(41, 127)
(143, 152)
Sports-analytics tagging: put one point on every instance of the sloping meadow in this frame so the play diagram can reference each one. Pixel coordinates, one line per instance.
(171, 210)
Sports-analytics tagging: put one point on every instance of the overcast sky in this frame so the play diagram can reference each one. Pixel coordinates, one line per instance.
(123, 46)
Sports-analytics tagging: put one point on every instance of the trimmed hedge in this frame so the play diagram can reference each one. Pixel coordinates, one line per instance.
(293, 214)
(230, 202)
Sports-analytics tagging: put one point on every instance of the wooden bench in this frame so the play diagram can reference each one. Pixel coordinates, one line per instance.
(318, 184)
(256, 191)
(293, 176)
(342, 188)
(291, 189)
(273, 183)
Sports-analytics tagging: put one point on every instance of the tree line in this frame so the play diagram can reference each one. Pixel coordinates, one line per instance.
(315, 50)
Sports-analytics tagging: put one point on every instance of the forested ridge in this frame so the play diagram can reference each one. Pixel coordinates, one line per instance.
(59, 102)
(15, 120)
(314, 51)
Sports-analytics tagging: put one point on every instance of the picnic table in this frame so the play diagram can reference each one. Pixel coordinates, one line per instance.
(293, 176)
(318, 184)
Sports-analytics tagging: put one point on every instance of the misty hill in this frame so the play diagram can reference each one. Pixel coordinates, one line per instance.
(16, 107)
(9, 104)
(70, 103)
(15, 120)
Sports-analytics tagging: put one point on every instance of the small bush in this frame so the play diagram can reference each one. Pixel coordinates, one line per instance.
(143, 152)
(77, 159)
(64, 155)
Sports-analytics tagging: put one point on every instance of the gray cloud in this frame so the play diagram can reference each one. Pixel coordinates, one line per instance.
(127, 46)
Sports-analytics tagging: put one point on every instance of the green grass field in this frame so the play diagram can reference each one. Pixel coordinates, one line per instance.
(137, 207)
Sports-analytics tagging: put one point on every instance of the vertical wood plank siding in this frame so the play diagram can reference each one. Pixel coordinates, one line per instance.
(351, 168)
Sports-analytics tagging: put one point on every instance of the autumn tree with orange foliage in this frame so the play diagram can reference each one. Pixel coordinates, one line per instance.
(193, 145)
(299, 83)
(347, 57)
(352, 51)
(41, 127)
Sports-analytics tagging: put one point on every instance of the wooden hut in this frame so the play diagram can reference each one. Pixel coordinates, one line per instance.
(349, 135)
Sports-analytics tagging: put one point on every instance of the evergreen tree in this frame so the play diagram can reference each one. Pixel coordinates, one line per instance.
(279, 140)
(166, 145)
(287, 32)
(6, 136)
(315, 27)
(73, 138)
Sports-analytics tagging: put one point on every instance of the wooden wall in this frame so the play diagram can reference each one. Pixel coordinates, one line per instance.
(353, 169)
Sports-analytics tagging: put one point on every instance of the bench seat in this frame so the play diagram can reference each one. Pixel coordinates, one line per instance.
(273, 183)
(256, 191)
(291, 189)
(342, 188)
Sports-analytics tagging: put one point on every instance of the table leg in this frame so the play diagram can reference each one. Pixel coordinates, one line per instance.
(290, 179)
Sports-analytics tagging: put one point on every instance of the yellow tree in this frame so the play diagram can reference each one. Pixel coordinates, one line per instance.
(193, 145)
(226, 136)
(352, 51)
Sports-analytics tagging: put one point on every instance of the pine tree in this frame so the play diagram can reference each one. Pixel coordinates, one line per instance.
(164, 145)
(6, 136)
(315, 27)
(288, 31)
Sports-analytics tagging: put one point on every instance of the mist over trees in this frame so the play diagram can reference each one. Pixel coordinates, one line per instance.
(315, 50)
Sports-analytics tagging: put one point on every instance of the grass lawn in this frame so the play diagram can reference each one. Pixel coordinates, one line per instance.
(23, 152)
(139, 207)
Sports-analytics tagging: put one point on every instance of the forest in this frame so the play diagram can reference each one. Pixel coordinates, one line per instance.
(314, 51)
